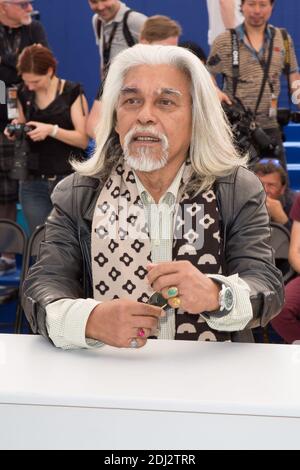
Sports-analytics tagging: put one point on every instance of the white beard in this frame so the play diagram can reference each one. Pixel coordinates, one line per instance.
(145, 160)
(27, 21)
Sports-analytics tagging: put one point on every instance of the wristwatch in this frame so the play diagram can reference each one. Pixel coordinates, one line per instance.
(226, 298)
(226, 302)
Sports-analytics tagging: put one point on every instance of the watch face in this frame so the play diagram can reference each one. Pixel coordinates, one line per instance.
(228, 298)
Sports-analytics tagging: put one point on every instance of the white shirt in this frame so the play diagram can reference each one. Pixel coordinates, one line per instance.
(216, 24)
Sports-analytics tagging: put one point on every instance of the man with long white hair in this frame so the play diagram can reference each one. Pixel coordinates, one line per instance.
(163, 232)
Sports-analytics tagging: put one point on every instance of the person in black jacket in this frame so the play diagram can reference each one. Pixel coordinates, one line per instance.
(17, 31)
(163, 216)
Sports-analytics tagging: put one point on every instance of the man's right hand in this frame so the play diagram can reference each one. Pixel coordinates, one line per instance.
(276, 211)
(117, 322)
(223, 97)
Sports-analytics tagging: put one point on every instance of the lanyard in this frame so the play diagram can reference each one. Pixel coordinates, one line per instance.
(261, 61)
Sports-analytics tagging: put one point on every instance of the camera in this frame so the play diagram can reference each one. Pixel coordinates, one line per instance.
(24, 160)
(285, 115)
(18, 130)
(248, 135)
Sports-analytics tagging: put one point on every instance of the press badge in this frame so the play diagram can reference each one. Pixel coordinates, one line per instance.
(273, 107)
(12, 103)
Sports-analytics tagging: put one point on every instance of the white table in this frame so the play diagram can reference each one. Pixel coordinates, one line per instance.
(168, 395)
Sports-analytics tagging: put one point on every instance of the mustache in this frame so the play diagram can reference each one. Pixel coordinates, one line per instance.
(147, 130)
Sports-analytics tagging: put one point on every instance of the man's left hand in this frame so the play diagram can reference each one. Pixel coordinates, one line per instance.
(276, 211)
(197, 292)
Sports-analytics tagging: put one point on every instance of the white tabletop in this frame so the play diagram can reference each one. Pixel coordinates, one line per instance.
(226, 378)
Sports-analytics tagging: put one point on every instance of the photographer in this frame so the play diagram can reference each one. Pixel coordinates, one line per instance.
(17, 31)
(251, 59)
(56, 109)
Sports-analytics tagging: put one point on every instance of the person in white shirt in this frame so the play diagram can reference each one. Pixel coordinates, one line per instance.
(222, 15)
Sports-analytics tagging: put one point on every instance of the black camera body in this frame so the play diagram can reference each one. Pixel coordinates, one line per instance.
(285, 115)
(18, 130)
(248, 135)
(24, 160)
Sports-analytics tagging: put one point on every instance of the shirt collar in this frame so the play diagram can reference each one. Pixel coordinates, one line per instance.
(171, 191)
(241, 32)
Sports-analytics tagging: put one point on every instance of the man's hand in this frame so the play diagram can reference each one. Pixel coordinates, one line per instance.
(276, 211)
(197, 293)
(6, 132)
(223, 97)
(117, 322)
(41, 131)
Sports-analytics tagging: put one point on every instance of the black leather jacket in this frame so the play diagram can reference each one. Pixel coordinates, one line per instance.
(64, 266)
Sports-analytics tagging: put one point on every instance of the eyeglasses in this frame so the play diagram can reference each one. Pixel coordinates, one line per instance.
(267, 161)
(23, 5)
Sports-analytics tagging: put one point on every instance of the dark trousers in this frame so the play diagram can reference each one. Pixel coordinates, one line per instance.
(8, 187)
(35, 198)
(8, 211)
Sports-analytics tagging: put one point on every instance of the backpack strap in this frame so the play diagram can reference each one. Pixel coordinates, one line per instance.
(126, 31)
(98, 28)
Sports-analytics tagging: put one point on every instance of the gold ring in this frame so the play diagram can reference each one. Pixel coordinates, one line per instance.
(175, 302)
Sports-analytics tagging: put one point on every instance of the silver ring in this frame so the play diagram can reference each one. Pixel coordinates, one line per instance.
(133, 343)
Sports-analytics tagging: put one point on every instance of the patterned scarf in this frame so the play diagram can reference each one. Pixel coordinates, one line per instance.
(121, 247)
